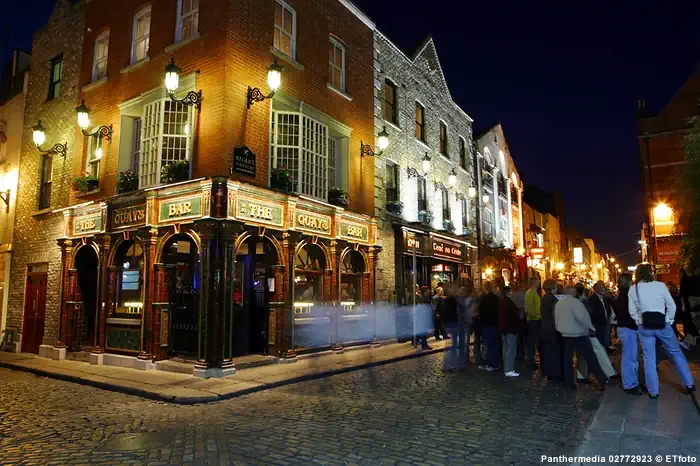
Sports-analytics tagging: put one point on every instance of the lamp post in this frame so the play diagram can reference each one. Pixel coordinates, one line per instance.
(172, 82)
(39, 137)
(84, 121)
(382, 144)
(274, 80)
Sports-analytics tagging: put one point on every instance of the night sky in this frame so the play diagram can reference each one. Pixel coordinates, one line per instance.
(563, 81)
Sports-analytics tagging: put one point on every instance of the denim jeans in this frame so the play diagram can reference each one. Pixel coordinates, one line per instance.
(630, 353)
(668, 340)
(491, 336)
(533, 334)
(510, 348)
(582, 346)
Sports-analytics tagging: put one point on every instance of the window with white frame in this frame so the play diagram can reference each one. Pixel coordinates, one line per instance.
(446, 211)
(165, 138)
(336, 64)
(99, 58)
(422, 194)
(332, 163)
(187, 19)
(465, 212)
(141, 34)
(135, 146)
(285, 33)
(94, 156)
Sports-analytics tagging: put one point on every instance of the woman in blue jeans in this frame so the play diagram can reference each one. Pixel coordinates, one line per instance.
(653, 310)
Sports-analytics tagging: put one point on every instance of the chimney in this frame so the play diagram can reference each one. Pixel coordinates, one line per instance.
(641, 108)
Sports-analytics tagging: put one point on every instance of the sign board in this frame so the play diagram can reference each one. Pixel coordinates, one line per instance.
(578, 255)
(354, 232)
(129, 217)
(244, 161)
(446, 250)
(312, 222)
(180, 209)
(663, 268)
(86, 224)
(260, 212)
(537, 253)
(410, 240)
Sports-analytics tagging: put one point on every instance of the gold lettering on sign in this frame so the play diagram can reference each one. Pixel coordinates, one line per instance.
(313, 223)
(178, 210)
(261, 212)
(86, 225)
(355, 232)
(123, 217)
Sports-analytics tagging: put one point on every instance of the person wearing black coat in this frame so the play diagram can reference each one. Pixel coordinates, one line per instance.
(509, 326)
(488, 320)
(552, 344)
(599, 309)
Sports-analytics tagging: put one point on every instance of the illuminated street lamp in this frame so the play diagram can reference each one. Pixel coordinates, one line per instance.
(39, 137)
(382, 144)
(452, 178)
(84, 121)
(426, 163)
(471, 192)
(274, 81)
(172, 82)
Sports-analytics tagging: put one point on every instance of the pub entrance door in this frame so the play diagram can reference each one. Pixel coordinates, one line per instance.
(84, 320)
(181, 256)
(34, 309)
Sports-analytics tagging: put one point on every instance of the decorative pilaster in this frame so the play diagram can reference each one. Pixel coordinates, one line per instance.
(104, 243)
(373, 255)
(150, 246)
(289, 242)
(227, 243)
(66, 246)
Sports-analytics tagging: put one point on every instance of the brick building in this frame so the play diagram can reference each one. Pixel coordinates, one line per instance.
(13, 96)
(44, 178)
(423, 178)
(213, 217)
(661, 154)
(545, 232)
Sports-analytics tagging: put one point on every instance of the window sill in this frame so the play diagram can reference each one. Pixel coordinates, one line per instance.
(423, 144)
(80, 195)
(41, 212)
(95, 84)
(286, 58)
(463, 169)
(172, 47)
(445, 157)
(339, 92)
(393, 125)
(135, 66)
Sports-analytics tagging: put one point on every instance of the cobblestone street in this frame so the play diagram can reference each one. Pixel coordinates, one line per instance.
(403, 413)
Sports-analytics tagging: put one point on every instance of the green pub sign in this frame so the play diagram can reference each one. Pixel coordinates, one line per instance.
(86, 224)
(256, 211)
(354, 232)
(182, 208)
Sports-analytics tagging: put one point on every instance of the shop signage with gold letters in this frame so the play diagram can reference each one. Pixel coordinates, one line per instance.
(129, 217)
(260, 212)
(88, 223)
(447, 250)
(182, 208)
(354, 232)
(314, 223)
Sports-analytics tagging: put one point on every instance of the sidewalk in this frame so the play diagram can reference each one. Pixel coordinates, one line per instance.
(186, 389)
(637, 425)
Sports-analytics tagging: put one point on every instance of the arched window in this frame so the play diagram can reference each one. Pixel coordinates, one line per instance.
(351, 270)
(309, 265)
(129, 262)
(487, 157)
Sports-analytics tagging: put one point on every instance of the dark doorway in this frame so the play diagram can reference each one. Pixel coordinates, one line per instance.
(86, 263)
(181, 256)
(253, 286)
(34, 308)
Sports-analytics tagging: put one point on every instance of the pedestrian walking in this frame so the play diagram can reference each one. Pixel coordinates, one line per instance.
(509, 326)
(465, 318)
(533, 311)
(518, 297)
(488, 319)
(438, 303)
(424, 317)
(627, 331)
(600, 314)
(573, 321)
(550, 341)
(653, 310)
(450, 318)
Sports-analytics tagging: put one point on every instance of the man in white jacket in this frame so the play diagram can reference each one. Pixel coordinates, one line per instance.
(574, 323)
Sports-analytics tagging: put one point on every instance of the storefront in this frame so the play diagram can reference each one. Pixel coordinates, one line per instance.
(213, 269)
(503, 266)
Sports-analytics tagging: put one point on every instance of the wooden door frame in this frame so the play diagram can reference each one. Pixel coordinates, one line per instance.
(26, 301)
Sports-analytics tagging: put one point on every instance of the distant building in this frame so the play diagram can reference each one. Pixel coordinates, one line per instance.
(661, 154)
(545, 233)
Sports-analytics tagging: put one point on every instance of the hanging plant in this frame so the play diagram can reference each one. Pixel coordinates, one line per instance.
(448, 225)
(394, 207)
(127, 181)
(425, 217)
(280, 179)
(339, 197)
(85, 183)
(175, 172)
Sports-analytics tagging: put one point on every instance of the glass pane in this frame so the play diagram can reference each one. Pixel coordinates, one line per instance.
(288, 21)
(338, 57)
(286, 44)
(336, 78)
(276, 42)
(278, 14)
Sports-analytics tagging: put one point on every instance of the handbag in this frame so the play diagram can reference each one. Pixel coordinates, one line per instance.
(651, 320)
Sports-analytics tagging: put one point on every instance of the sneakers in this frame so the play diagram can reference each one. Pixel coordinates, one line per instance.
(654, 397)
(634, 391)
(512, 374)
(487, 368)
(690, 389)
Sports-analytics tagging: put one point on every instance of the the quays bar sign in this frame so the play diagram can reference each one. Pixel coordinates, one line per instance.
(446, 250)
(354, 232)
(260, 212)
(88, 223)
(129, 217)
(314, 223)
(181, 208)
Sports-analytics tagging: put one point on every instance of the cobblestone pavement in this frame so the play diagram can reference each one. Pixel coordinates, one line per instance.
(404, 413)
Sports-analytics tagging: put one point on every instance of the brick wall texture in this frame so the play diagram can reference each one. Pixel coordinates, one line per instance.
(417, 79)
(35, 235)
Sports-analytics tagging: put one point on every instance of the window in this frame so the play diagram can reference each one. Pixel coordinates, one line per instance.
(164, 138)
(332, 163)
(422, 194)
(392, 181)
(285, 29)
(141, 35)
(462, 153)
(94, 156)
(465, 212)
(136, 146)
(187, 19)
(99, 59)
(446, 213)
(45, 187)
(420, 122)
(55, 77)
(336, 64)
(443, 138)
(390, 113)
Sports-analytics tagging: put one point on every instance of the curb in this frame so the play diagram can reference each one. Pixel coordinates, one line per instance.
(190, 400)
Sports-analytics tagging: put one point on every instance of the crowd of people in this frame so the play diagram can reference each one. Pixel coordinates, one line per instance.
(555, 321)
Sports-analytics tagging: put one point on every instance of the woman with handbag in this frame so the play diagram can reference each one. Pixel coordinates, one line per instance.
(652, 308)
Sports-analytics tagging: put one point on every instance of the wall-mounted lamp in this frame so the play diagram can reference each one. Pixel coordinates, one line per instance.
(426, 163)
(412, 172)
(172, 82)
(439, 186)
(485, 198)
(452, 178)
(382, 144)
(274, 80)
(5, 197)
(84, 121)
(471, 192)
(39, 137)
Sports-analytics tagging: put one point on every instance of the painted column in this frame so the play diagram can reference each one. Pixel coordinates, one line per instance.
(66, 246)
(511, 243)
(149, 250)
(229, 236)
(102, 279)
(496, 207)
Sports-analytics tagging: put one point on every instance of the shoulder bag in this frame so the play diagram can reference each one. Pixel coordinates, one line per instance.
(651, 320)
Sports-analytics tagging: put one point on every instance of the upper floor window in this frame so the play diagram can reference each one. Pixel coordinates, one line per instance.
(443, 138)
(45, 186)
(462, 153)
(392, 181)
(99, 59)
(285, 29)
(422, 194)
(390, 113)
(141, 34)
(336, 64)
(94, 156)
(187, 19)
(55, 77)
(446, 211)
(465, 212)
(420, 122)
